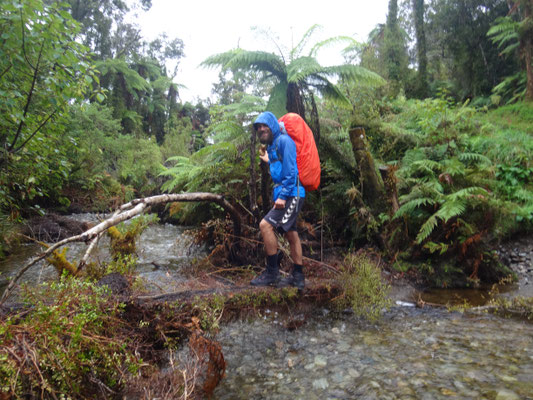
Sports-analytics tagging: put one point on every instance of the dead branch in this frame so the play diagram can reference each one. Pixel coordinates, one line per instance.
(128, 211)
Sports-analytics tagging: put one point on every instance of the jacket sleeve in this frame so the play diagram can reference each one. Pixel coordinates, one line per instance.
(289, 169)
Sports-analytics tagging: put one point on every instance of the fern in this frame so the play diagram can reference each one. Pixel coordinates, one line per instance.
(426, 229)
(474, 158)
(412, 205)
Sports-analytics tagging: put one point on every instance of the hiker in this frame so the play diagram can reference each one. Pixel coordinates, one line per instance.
(288, 199)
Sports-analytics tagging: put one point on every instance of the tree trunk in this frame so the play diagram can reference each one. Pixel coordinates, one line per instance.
(389, 180)
(295, 101)
(418, 11)
(315, 122)
(252, 184)
(371, 188)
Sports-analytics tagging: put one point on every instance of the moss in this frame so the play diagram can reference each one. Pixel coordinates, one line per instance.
(59, 260)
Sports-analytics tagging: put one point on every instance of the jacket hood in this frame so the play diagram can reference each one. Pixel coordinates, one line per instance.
(271, 121)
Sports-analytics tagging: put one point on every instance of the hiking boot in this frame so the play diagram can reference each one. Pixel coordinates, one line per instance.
(267, 278)
(295, 279)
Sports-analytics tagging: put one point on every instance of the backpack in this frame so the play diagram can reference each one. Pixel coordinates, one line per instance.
(306, 152)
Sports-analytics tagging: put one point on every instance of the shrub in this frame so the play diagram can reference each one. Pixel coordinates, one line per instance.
(363, 287)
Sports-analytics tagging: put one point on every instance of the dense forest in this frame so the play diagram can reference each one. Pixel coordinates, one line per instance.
(441, 92)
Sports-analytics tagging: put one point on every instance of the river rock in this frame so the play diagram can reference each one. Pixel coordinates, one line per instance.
(320, 361)
(505, 394)
(321, 383)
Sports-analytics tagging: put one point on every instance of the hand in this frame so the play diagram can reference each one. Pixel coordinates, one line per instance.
(279, 204)
(263, 155)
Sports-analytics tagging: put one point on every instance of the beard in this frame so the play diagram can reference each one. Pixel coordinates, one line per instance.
(266, 138)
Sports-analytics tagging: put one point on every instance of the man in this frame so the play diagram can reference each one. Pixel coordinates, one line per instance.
(288, 199)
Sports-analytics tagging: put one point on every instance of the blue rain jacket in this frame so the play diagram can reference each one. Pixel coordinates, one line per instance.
(282, 160)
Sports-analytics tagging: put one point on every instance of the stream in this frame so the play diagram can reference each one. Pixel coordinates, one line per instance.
(162, 250)
(412, 353)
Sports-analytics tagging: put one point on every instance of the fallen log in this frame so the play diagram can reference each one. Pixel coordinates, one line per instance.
(128, 211)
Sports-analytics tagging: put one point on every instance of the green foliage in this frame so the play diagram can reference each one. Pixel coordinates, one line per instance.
(98, 150)
(459, 52)
(70, 334)
(124, 236)
(363, 287)
(221, 167)
(294, 74)
(463, 182)
(43, 71)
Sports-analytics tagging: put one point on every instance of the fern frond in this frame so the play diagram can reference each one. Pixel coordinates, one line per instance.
(426, 229)
(301, 68)
(450, 209)
(298, 49)
(474, 158)
(466, 193)
(411, 205)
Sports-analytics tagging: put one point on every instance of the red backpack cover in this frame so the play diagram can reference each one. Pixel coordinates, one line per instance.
(306, 151)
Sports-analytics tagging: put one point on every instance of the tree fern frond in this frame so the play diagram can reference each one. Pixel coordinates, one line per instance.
(351, 43)
(297, 50)
(354, 73)
(329, 91)
(301, 68)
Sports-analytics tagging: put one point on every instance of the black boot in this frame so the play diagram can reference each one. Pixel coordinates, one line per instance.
(295, 279)
(270, 276)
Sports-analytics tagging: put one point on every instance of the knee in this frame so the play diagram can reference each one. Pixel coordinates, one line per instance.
(264, 226)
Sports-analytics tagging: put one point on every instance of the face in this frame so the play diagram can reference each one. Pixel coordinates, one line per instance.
(264, 133)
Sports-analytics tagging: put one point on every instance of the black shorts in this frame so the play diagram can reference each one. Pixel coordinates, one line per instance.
(284, 219)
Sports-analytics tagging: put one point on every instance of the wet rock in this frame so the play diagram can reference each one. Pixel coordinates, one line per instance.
(321, 383)
(505, 394)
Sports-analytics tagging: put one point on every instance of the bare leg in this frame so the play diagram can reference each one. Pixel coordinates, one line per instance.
(296, 246)
(269, 238)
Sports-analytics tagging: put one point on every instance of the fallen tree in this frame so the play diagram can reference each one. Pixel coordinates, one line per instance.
(124, 213)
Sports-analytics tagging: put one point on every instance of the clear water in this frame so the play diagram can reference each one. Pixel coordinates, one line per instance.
(411, 354)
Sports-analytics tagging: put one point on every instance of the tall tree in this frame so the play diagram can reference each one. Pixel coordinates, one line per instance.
(294, 76)
(395, 50)
(422, 81)
(459, 50)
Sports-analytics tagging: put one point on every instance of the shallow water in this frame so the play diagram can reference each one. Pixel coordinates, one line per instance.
(410, 354)
(162, 250)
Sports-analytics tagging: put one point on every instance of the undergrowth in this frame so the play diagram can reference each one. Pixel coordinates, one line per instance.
(67, 344)
(363, 287)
